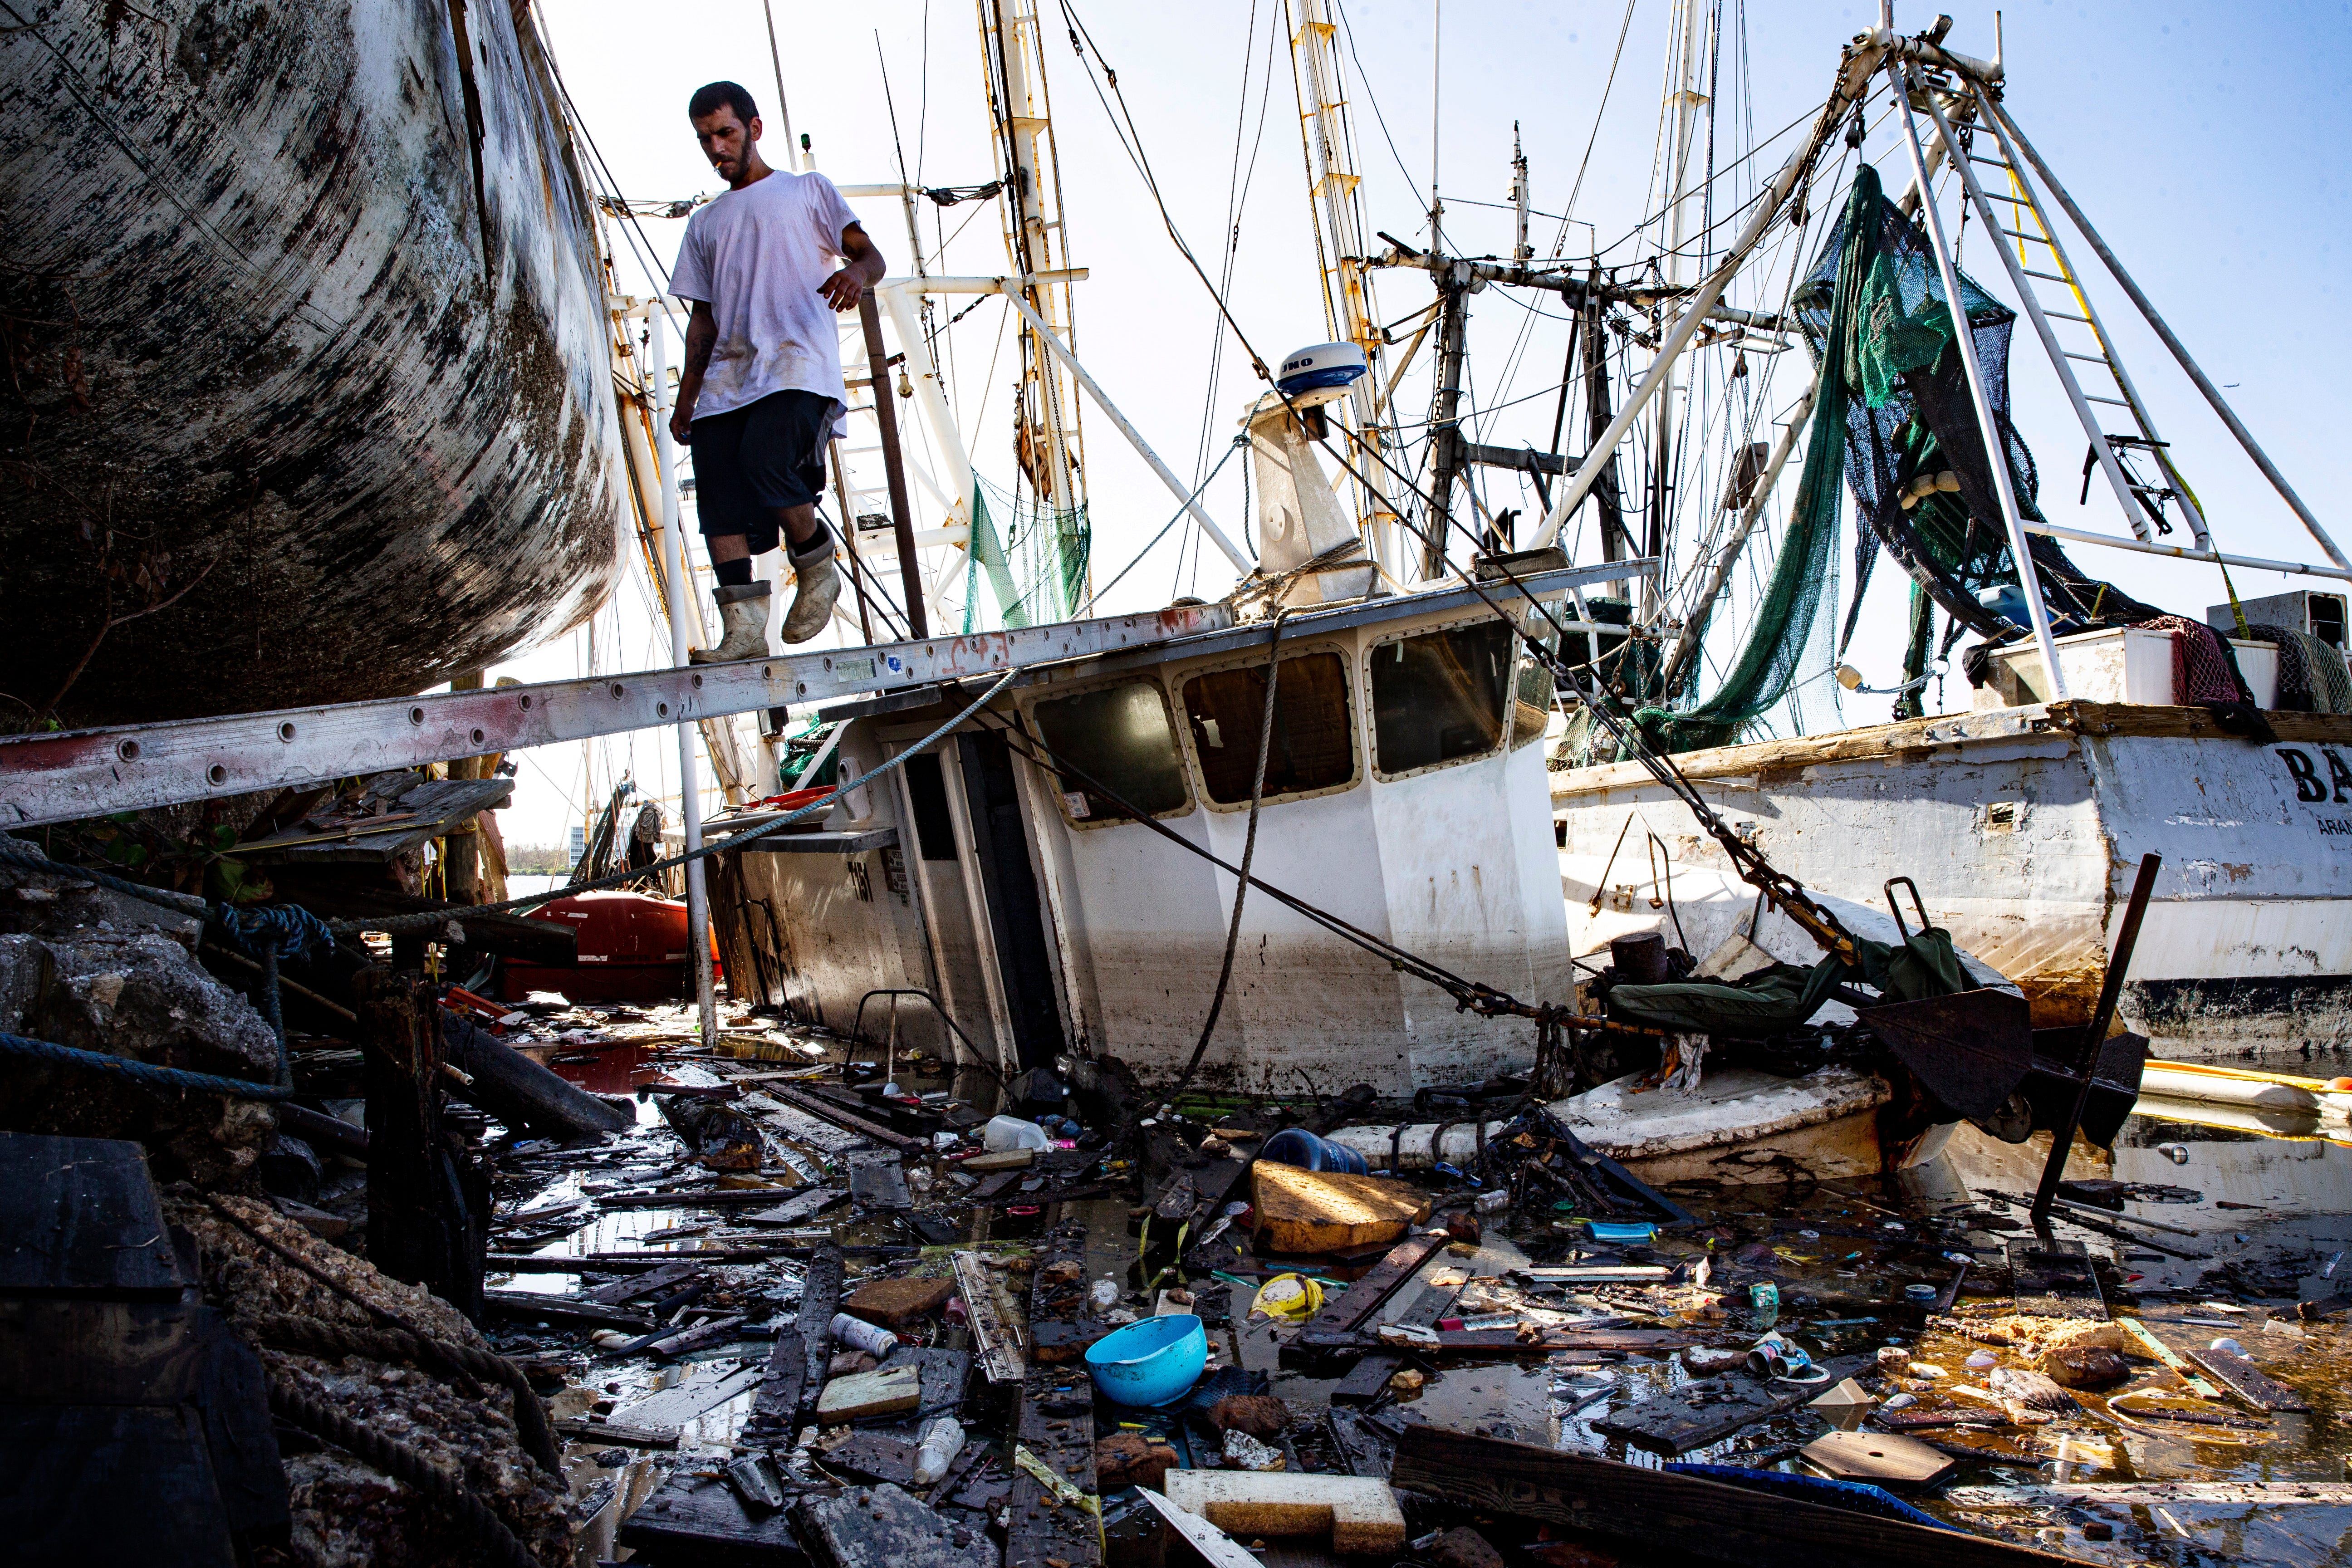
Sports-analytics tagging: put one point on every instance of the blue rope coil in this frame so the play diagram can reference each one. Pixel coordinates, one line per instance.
(288, 929)
(141, 1072)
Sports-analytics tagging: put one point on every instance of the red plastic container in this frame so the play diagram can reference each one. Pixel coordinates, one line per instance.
(632, 949)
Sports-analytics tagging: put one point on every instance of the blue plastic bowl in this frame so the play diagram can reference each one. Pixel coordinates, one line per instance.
(1152, 1363)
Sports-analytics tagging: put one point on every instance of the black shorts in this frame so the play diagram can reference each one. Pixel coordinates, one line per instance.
(752, 461)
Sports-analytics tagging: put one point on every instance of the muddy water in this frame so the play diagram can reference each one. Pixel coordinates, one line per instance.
(2267, 1209)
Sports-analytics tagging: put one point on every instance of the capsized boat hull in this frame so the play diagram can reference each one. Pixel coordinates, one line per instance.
(2024, 828)
(310, 393)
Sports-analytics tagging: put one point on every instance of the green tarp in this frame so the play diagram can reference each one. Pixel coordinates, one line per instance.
(1774, 1000)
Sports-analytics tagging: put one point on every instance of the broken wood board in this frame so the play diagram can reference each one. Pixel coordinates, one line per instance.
(2053, 1280)
(2139, 1334)
(882, 1391)
(800, 1208)
(652, 1282)
(1056, 1429)
(820, 1300)
(1668, 1423)
(672, 1408)
(944, 1375)
(1505, 1341)
(1596, 1273)
(1363, 1446)
(531, 1306)
(1324, 1211)
(1358, 1514)
(613, 1434)
(701, 1198)
(2138, 1494)
(695, 1518)
(1880, 1458)
(1331, 1334)
(1217, 1549)
(1002, 1161)
(996, 1335)
(878, 1179)
(2248, 1381)
(1061, 1325)
(1054, 1425)
(700, 1336)
(1703, 1519)
(877, 1457)
(882, 1527)
(823, 1109)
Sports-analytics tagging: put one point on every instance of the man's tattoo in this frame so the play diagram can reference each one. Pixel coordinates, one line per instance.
(699, 342)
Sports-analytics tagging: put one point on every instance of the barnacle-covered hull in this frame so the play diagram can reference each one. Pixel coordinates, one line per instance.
(308, 394)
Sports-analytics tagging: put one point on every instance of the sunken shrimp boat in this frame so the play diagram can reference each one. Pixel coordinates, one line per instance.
(310, 398)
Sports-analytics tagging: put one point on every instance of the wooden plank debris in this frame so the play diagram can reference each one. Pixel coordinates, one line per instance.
(886, 1391)
(826, 1110)
(531, 1306)
(2248, 1381)
(652, 1282)
(1217, 1549)
(2139, 1332)
(996, 1337)
(1329, 1339)
(700, 1336)
(1703, 1519)
(1357, 1514)
(1056, 1421)
(801, 1208)
(2137, 1494)
(672, 1408)
(695, 1518)
(878, 1179)
(613, 1434)
(698, 1198)
(1300, 1211)
(882, 1527)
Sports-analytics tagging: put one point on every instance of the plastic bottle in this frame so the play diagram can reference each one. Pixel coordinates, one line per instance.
(860, 1335)
(1005, 1132)
(942, 1440)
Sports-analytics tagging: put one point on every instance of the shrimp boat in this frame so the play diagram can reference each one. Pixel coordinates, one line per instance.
(1055, 883)
(312, 391)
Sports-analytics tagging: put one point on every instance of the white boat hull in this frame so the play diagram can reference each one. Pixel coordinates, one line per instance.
(2024, 828)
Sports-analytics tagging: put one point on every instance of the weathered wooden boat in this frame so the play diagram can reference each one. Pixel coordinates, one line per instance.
(310, 396)
(2021, 827)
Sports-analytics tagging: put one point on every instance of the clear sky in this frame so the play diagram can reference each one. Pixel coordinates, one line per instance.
(2198, 137)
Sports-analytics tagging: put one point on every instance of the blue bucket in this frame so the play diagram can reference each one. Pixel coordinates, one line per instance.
(1152, 1363)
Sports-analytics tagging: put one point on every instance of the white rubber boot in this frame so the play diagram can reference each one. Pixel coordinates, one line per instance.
(819, 586)
(743, 624)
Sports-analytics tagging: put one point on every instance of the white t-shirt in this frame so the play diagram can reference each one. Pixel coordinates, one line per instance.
(756, 257)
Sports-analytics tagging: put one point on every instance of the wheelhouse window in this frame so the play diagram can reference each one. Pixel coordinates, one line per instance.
(1314, 742)
(1532, 693)
(1441, 697)
(1120, 737)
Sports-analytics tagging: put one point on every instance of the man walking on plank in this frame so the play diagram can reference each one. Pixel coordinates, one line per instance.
(760, 392)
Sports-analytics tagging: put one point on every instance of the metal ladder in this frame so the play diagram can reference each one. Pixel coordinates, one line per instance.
(2143, 501)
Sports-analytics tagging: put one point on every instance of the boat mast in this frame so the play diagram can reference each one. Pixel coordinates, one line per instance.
(1688, 51)
(1336, 206)
(1014, 62)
